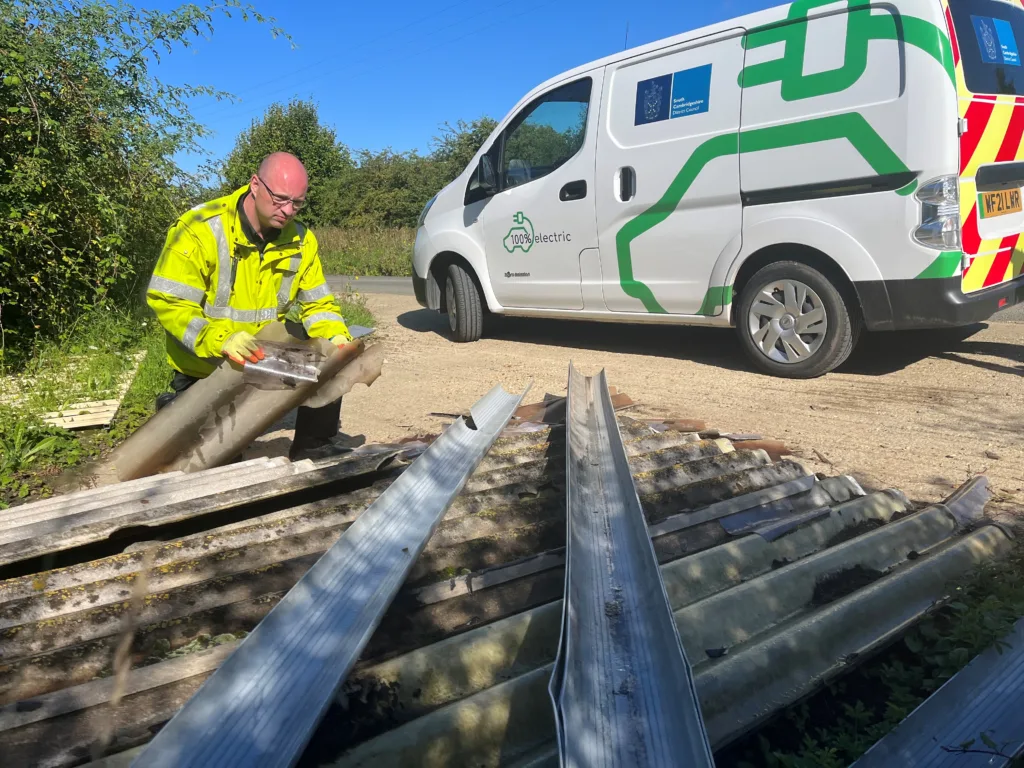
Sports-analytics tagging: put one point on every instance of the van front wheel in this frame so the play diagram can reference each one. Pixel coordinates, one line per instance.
(794, 323)
(464, 305)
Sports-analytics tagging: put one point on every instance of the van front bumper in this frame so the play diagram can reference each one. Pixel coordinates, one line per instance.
(419, 287)
(897, 305)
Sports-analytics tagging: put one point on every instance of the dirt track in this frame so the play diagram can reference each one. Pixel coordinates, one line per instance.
(919, 411)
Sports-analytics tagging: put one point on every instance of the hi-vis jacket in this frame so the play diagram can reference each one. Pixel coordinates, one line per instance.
(210, 282)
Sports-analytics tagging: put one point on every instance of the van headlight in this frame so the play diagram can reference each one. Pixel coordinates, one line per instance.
(940, 214)
(426, 208)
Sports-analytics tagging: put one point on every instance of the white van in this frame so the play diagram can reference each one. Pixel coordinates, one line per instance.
(799, 174)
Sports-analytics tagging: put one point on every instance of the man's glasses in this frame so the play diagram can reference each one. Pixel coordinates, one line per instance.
(280, 200)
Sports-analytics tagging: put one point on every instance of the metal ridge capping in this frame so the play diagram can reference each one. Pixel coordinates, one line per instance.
(262, 705)
(622, 688)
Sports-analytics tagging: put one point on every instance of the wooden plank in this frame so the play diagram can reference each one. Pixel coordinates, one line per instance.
(76, 408)
(81, 422)
(86, 417)
(43, 539)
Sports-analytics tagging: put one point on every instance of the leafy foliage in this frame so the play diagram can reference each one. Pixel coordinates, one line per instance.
(543, 148)
(293, 128)
(25, 446)
(88, 183)
(457, 145)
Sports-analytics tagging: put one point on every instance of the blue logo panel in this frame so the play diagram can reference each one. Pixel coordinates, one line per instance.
(691, 91)
(996, 41)
(652, 99)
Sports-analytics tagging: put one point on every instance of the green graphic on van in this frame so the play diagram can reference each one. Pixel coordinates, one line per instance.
(862, 27)
(519, 236)
(852, 126)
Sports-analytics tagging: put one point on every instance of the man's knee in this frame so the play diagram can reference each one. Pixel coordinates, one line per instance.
(179, 383)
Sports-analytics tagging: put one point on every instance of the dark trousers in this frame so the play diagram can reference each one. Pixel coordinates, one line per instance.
(312, 425)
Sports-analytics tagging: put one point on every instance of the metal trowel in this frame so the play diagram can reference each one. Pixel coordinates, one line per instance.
(285, 365)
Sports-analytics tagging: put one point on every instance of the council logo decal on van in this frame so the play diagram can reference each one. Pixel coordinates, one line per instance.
(522, 237)
(670, 96)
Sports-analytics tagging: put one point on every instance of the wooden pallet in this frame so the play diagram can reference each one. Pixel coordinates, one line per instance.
(92, 413)
(98, 413)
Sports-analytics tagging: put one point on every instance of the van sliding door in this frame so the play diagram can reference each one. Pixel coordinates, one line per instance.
(668, 176)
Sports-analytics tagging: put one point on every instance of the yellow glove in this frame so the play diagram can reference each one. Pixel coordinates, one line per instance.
(242, 345)
(341, 340)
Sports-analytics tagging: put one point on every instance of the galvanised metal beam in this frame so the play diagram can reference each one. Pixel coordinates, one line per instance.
(262, 705)
(622, 687)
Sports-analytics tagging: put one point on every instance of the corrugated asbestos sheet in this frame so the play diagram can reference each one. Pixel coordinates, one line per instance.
(622, 689)
(777, 580)
(975, 719)
(264, 702)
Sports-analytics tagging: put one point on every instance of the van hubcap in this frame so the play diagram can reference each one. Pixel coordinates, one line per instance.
(453, 312)
(787, 321)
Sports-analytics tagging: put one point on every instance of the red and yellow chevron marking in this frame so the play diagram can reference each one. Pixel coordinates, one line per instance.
(995, 134)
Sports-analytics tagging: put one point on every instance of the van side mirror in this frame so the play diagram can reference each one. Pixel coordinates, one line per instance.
(486, 177)
(483, 184)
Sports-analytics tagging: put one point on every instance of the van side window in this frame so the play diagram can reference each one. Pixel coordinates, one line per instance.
(546, 134)
(990, 35)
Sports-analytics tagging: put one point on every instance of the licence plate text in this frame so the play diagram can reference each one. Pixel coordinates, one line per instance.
(999, 203)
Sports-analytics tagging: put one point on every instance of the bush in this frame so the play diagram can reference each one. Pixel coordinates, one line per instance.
(295, 129)
(88, 183)
(367, 252)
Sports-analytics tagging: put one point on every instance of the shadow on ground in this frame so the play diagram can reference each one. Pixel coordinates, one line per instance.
(877, 353)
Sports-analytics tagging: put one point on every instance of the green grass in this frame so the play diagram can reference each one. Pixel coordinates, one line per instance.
(839, 724)
(87, 365)
(367, 252)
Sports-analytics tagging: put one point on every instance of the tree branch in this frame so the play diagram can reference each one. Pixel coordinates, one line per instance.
(39, 119)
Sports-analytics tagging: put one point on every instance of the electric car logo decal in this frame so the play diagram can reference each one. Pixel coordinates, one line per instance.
(519, 236)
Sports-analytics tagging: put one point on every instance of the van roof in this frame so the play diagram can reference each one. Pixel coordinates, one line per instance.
(776, 13)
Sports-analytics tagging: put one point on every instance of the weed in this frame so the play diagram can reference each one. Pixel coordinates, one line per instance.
(27, 444)
(367, 252)
(355, 311)
(839, 724)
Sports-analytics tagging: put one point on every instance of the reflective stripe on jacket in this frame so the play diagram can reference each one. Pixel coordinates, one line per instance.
(210, 282)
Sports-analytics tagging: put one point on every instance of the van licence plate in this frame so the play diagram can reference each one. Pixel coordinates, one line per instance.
(992, 204)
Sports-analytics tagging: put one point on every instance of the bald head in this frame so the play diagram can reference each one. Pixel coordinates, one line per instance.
(284, 168)
(277, 187)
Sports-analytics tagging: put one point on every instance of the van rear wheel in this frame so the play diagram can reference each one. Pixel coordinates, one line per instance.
(464, 305)
(794, 323)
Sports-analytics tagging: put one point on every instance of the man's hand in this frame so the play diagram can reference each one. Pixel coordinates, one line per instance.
(340, 340)
(242, 345)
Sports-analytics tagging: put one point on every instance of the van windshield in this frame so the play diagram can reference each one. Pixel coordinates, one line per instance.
(990, 34)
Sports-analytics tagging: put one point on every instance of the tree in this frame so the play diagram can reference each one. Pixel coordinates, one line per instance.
(456, 146)
(293, 128)
(386, 189)
(389, 189)
(88, 184)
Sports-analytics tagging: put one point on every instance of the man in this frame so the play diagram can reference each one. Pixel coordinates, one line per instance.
(234, 264)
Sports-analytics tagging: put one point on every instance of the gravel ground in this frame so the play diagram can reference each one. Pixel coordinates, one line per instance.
(917, 411)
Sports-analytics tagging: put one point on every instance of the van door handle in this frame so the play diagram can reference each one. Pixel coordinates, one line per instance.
(626, 183)
(574, 190)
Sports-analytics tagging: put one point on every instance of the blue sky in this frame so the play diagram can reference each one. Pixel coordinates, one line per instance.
(389, 73)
